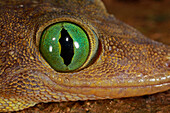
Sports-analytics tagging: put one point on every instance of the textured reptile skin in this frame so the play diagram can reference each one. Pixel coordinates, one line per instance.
(127, 63)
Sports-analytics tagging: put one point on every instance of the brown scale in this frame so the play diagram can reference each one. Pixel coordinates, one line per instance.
(127, 63)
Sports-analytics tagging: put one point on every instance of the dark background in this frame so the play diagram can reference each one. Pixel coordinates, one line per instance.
(151, 17)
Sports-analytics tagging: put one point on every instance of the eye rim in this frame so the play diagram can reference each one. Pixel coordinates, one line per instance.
(90, 31)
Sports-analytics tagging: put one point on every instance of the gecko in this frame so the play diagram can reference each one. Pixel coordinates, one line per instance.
(69, 50)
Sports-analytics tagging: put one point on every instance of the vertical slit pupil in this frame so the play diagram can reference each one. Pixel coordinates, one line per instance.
(67, 49)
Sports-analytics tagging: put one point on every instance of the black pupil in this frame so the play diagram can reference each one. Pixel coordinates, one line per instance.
(67, 49)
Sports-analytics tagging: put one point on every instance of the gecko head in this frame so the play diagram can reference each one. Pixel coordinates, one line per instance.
(122, 61)
(115, 60)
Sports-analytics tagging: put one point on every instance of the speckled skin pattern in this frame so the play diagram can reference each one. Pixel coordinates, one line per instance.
(127, 63)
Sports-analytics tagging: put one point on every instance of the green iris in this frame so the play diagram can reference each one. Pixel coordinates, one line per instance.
(65, 46)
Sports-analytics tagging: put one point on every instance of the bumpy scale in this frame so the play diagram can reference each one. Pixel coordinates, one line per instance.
(126, 62)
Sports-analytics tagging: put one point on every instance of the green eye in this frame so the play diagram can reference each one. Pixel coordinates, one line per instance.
(65, 46)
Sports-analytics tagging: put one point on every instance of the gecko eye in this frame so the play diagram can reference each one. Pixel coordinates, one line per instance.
(66, 46)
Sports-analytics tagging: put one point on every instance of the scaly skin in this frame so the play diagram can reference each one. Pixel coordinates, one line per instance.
(127, 63)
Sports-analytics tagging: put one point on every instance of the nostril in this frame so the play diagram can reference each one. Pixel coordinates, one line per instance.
(168, 64)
